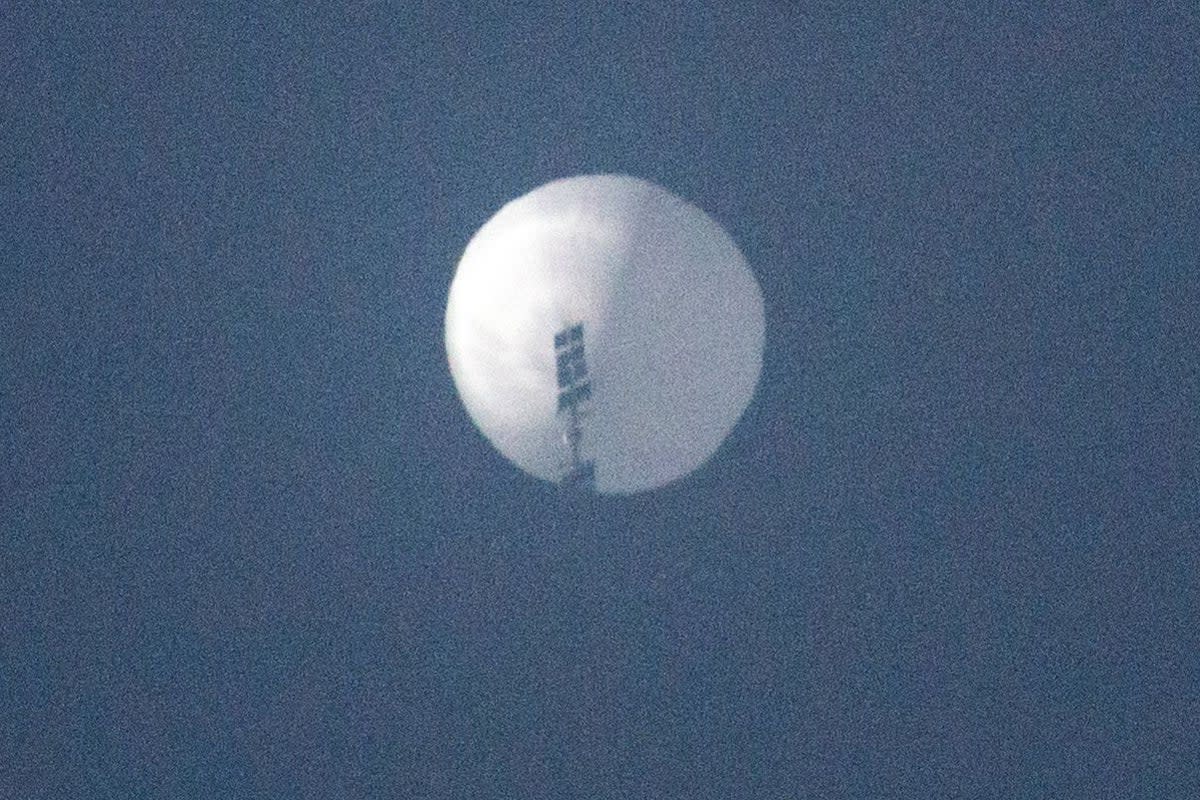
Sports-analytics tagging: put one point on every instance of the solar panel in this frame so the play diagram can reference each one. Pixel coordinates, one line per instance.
(571, 367)
(572, 397)
(568, 337)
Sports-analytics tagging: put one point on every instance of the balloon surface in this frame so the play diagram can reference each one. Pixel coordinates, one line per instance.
(673, 330)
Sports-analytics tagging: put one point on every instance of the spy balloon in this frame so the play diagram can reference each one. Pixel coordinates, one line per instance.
(601, 324)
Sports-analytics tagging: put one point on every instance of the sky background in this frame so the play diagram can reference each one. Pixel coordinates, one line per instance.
(252, 546)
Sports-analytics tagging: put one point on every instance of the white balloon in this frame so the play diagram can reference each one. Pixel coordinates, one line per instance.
(673, 329)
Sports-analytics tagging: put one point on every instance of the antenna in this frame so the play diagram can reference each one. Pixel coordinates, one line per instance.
(574, 392)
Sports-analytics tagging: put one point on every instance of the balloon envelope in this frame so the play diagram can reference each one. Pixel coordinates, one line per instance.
(673, 329)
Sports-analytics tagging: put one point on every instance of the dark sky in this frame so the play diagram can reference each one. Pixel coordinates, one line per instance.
(252, 546)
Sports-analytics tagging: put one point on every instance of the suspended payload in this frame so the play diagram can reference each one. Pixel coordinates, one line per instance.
(672, 318)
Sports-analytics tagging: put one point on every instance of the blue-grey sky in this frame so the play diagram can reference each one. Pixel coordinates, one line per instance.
(252, 546)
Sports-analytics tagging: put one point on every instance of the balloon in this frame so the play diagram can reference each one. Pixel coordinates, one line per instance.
(672, 323)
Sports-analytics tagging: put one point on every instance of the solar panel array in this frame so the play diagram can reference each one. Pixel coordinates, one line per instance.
(573, 383)
(574, 389)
